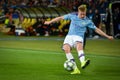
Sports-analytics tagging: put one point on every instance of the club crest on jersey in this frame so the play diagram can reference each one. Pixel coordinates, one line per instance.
(83, 23)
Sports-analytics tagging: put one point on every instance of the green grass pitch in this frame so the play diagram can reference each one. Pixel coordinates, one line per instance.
(41, 58)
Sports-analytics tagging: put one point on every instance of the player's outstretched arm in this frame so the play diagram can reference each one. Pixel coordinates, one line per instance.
(54, 20)
(103, 34)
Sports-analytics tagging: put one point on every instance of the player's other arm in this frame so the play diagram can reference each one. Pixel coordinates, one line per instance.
(54, 20)
(97, 30)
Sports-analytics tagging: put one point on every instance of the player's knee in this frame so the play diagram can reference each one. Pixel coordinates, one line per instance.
(66, 48)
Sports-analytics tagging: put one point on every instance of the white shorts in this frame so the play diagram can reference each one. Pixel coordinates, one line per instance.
(72, 39)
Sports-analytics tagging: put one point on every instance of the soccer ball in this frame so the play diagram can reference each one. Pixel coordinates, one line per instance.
(68, 65)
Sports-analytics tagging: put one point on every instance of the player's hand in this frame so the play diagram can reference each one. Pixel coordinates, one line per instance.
(47, 22)
(110, 37)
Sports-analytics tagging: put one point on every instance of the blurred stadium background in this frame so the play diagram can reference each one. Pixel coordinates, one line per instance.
(26, 17)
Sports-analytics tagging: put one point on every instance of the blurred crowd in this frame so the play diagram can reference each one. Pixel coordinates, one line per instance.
(101, 5)
(98, 11)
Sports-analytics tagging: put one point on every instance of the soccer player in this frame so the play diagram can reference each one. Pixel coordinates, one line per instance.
(75, 36)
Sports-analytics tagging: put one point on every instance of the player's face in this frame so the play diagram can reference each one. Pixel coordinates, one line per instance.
(82, 14)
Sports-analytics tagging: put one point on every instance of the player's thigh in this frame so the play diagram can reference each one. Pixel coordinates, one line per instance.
(78, 42)
(77, 39)
(79, 46)
(68, 40)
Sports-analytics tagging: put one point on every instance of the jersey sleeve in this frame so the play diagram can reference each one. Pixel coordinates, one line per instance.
(67, 17)
(91, 25)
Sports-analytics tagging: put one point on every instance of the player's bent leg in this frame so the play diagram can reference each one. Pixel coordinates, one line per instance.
(67, 49)
(84, 63)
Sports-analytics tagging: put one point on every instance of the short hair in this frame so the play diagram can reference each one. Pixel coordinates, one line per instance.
(82, 8)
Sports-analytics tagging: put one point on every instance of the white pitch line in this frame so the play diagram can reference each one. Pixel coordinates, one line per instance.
(53, 52)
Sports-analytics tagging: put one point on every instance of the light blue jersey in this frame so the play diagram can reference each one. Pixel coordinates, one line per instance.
(78, 26)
